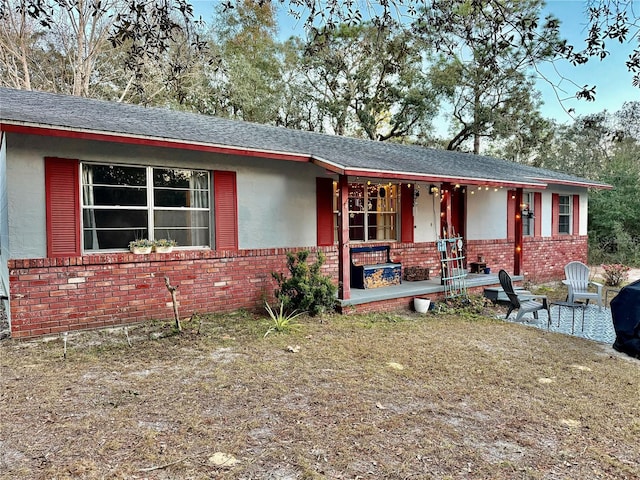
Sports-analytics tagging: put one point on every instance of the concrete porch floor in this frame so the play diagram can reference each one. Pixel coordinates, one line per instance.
(414, 289)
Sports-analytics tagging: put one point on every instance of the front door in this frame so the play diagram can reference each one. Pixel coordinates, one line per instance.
(453, 211)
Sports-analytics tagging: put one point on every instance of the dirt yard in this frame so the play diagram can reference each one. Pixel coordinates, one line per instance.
(448, 396)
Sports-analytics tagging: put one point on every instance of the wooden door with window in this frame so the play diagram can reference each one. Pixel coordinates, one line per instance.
(453, 211)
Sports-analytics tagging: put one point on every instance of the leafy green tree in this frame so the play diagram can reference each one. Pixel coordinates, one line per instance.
(608, 20)
(71, 45)
(62, 55)
(299, 109)
(487, 50)
(146, 29)
(368, 81)
(626, 121)
(614, 223)
(248, 83)
(583, 148)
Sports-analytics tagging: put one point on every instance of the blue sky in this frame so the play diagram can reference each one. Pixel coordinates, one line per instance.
(610, 76)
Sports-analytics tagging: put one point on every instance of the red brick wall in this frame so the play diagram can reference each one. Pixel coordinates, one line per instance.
(498, 254)
(52, 295)
(543, 258)
(396, 304)
(417, 255)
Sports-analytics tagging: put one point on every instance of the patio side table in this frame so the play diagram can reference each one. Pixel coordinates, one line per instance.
(572, 306)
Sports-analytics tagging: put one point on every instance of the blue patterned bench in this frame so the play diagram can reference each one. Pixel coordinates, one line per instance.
(371, 267)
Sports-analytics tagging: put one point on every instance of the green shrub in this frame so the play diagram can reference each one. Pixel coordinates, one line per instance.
(306, 290)
(617, 247)
(614, 274)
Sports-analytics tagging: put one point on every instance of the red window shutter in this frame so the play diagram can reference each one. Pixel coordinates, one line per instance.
(555, 213)
(62, 193)
(511, 214)
(406, 213)
(576, 215)
(324, 211)
(537, 212)
(226, 210)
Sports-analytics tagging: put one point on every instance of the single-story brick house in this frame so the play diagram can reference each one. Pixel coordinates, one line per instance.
(80, 178)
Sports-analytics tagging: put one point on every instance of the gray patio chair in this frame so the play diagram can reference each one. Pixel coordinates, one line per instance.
(577, 281)
(523, 303)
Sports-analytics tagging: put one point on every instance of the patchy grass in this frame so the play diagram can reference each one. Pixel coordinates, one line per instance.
(378, 396)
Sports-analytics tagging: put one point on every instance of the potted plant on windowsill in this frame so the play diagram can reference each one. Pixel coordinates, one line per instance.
(164, 245)
(140, 246)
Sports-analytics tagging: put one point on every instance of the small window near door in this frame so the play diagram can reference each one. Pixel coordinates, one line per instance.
(527, 214)
(564, 214)
(373, 211)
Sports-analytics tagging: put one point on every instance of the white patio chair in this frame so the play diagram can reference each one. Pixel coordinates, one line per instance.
(577, 281)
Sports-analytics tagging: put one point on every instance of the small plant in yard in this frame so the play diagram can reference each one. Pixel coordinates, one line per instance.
(471, 306)
(615, 274)
(281, 322)
(306, 289)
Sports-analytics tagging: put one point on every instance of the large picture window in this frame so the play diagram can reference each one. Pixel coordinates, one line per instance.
(373, 211)
(122, 203)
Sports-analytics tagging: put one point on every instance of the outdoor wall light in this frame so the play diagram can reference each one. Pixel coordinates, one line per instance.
(526, 213)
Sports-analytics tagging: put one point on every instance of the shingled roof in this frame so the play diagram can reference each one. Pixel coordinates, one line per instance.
(68, 116)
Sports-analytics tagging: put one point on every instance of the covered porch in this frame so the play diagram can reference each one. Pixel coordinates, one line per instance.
(408, 290)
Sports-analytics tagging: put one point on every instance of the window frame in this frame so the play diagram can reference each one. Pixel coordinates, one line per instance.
(150, 208)
(392, 212)
(568, 214)
(528, 226)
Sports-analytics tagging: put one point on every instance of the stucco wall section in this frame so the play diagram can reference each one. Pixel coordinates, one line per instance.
(276, 199)
(486, 214)
(584, 215)
(426, 215)
(4, 224)
(26, 213)
(276, 204)
(547, 228)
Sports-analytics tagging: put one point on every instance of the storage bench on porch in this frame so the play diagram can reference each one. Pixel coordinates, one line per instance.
(371, 267)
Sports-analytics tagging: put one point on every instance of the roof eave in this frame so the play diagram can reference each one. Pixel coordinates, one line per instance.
(575, 183)
(424, 177)
(87, 134)
(84, 134)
